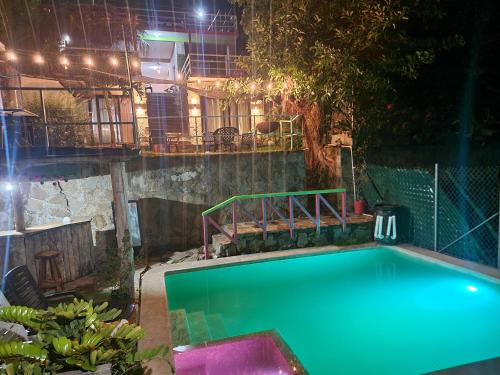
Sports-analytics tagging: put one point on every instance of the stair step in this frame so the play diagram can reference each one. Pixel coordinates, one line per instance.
(216, 327)
(179, 328)
(198, 328)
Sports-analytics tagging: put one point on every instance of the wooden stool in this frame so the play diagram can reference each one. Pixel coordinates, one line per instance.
(49, 257)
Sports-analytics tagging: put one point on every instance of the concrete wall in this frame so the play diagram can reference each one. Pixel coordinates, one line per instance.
(196, 181)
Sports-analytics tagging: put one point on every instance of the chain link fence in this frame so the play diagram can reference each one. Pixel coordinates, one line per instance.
(467, 206)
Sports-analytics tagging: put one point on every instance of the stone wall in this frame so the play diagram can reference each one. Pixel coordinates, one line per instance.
(355, 233)
(197, 182)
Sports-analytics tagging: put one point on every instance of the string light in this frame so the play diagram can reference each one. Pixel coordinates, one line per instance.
(236, 85)
(269, 86)
(179, 76)
(64, 61)
(135, 63)
(285, 85)
(11, 56)
(88, 61)
(113, 61)
(217, 84)
(199, 81)
(252, 87)
(38, 59)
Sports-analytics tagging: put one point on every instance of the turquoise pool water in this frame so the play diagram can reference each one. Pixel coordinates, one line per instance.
(373, 311)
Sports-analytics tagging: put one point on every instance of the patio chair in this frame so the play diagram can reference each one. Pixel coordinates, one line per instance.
(172, 141)
(20, 289)
(208, 140)
(226, 137)
(247, 140)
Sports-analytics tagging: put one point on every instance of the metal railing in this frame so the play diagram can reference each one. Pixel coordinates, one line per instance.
(267, 204)
(210, 65)
(174, 20)
(70, 117)
(199, 131)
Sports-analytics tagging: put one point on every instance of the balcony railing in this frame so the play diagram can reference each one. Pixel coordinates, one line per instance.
(209, 65)
(235, 133)
(52, 118)
(178, 21)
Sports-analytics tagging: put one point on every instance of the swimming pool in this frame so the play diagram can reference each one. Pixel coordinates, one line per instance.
(371, 311)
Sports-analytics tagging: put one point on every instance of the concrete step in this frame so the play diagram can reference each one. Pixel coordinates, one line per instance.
(216, 327)
(179, 328)
(197, 327)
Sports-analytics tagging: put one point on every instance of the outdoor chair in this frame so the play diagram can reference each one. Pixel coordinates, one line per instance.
(226, 137)
(247, 140)
(172, 141)
(208, 140)
(20, 289)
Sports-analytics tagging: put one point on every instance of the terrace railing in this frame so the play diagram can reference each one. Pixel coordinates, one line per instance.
(210, 65)
(267, 206)
(70, 118)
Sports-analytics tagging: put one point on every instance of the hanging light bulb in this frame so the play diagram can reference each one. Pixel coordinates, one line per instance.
(64, 61)
(113, 60)
(135, 63)
(88, 61)
(11, 56)
(38, 59)
(269, 86)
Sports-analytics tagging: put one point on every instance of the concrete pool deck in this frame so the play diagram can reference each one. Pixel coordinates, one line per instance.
(154, 317)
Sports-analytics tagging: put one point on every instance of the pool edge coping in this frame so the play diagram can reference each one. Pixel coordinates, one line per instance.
(154, 314)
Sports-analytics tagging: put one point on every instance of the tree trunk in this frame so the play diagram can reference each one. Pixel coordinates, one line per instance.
(119, 185)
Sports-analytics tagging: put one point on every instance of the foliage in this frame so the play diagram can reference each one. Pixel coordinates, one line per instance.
(62, 108)
(337, 57)
(72, 336)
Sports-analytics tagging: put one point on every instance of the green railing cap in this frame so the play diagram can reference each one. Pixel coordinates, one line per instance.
(269, 195)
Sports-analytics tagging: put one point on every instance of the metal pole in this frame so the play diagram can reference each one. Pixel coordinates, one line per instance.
(498, 257)
(318, 214)
(291, 223)
(436, 175)
(344, 212)
(235, 222)
(132, 100)
(44, 114)
(264, 218)
(205, 236)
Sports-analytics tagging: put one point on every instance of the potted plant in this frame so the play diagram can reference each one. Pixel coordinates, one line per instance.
(74, 338)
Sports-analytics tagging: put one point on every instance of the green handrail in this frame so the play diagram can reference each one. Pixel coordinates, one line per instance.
(269, 195)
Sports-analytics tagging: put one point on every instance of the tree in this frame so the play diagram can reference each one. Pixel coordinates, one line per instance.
(337, 59)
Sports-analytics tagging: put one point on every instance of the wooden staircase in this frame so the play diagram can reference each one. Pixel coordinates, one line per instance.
(195, 327)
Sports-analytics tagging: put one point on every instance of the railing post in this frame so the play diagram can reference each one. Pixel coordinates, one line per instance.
(44, 114)
(195, 132)
(205, 236)
(235, 221)
(436, 186)
(344, 212)
(264, 218)
(292, 220)
(318, 214)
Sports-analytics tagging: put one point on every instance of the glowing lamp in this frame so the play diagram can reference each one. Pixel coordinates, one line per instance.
(88, 61)
(11, 56)
(64, 61)
(113, 61)
(200, 13)
(38, 59)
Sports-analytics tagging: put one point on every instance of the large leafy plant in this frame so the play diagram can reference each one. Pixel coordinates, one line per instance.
(73, 336)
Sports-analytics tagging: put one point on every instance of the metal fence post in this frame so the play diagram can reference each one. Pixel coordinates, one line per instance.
(436, 185)
(205, 236)
(498, 254)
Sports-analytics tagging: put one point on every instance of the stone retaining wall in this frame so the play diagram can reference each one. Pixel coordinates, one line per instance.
(356, 233)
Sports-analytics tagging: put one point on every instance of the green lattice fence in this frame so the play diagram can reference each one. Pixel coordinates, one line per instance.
(466, 198)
